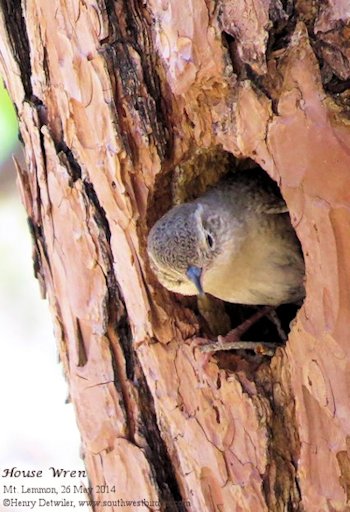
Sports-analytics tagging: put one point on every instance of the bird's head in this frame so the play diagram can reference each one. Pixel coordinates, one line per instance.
(183, 244)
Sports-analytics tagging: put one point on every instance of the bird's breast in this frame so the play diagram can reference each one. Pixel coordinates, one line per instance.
(267, 269)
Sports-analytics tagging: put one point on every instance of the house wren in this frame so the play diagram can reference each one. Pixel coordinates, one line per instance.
(235, 242)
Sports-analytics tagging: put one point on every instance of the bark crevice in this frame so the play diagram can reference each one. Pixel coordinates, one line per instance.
(17, 32)
(129, 52)
(280, 481)
(157, 453)
(155, 449)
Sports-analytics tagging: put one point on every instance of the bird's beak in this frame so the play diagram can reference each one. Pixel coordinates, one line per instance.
(194, 273)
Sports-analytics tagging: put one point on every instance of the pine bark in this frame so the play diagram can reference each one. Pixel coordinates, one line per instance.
(120, 104)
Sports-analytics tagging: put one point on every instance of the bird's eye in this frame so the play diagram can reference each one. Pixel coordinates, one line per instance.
(210, 240)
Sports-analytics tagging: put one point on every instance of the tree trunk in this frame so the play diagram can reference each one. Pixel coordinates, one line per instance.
(120, 105)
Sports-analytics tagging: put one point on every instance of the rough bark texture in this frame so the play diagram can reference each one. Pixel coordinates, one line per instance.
(121, 102)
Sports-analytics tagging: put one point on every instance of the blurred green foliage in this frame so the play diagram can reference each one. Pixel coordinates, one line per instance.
(8, 125)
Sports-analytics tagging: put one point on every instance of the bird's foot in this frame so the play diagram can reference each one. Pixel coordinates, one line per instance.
(202, 359)
(204, 355)
(232, 340)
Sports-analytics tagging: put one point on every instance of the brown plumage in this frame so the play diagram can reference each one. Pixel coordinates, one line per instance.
(235, 242)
